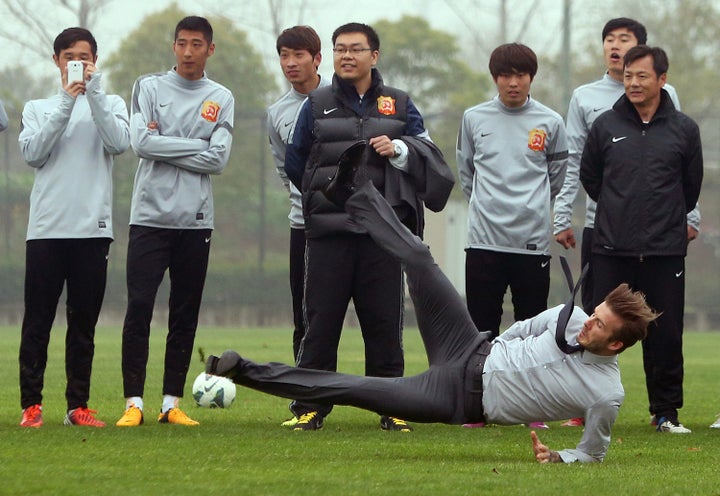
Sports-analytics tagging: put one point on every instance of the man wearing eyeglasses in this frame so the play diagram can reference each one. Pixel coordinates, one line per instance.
(342, 261)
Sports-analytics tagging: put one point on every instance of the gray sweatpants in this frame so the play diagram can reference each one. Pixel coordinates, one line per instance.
(449, 391)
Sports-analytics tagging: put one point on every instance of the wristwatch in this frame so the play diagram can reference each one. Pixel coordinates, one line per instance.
(397, 150)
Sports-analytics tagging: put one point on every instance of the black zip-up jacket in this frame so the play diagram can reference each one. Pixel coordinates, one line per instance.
(645, 177)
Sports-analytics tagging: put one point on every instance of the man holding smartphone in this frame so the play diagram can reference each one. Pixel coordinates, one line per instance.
(75, 70)
(70, 140)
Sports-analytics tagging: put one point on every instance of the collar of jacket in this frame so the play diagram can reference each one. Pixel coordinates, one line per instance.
(625, 107)
(348, 89)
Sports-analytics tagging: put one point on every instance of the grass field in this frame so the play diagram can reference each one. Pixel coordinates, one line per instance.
(244, 451)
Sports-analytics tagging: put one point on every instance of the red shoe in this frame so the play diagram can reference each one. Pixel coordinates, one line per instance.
(574, 422)
(474, 425)
(83, 416)
(32, 416)
(538, 425)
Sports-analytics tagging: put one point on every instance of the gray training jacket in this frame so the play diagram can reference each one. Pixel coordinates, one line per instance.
(195, 121)
(511, 164)
(71, 143)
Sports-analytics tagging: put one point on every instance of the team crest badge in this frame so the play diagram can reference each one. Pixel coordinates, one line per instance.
(386, 105)
(536, 140)
(210, 111)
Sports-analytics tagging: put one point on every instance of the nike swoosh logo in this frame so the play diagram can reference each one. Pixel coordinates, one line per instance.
(597, 109)
(207, 240)
(288, 123)
(545, 264)
(615, 140)
(678, 274)
(482, 135)
(328, 111)
(208, 388)
(164, 104)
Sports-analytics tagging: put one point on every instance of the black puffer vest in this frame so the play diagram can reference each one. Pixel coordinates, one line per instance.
(340, 121)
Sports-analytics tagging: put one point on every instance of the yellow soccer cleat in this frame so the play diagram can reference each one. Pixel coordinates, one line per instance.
(132, 417)
(176, 416)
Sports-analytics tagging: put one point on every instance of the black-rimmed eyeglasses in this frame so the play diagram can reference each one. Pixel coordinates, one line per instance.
(341, 50)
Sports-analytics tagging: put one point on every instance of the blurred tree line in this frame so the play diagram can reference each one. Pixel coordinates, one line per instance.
(247, 279)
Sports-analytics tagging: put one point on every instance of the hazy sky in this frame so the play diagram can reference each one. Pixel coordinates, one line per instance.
(455, 16)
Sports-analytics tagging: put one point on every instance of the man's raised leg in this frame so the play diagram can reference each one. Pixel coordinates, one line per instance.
(444, 322)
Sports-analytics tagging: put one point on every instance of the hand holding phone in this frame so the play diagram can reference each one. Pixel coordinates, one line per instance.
(75, 71)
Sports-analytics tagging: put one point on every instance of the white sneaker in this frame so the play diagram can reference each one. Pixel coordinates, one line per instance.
(716, 424)
(665, 425)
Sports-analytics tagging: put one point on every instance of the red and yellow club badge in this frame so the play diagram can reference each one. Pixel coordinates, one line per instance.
(386, 105)
(536, 140)
(210, 111)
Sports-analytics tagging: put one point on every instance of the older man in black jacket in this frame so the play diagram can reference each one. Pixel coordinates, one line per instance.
(643, 164)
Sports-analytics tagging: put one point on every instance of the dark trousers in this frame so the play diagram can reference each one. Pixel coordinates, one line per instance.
(448, 392)
(151, 251)
(297, 285)
(337, 269)
(586, 288)
(81, 264)
(488, 274)
(662, 279)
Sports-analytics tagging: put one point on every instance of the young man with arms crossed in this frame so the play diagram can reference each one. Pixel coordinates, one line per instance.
(181, 128)
(588, 102)
(71, 140)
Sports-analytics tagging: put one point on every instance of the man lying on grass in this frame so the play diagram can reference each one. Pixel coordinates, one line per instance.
(520, 377)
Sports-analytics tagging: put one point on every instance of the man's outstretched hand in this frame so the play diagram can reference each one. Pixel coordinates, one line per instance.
(543, 454)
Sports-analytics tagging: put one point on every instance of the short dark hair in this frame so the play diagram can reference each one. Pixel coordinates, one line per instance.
(632, 309)
(299, 38)
(357, 27)
(195, 23)
(631, 25)
(660, 58)
(512, 58)
(70, 36)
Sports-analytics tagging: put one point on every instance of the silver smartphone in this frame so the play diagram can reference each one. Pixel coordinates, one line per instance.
(75, 70)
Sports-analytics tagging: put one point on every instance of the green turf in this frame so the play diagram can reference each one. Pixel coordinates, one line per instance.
(243, 450)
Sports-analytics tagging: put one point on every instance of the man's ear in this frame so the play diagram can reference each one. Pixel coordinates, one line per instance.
(616, 346)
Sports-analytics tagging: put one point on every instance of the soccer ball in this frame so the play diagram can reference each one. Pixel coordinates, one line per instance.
(213, 391)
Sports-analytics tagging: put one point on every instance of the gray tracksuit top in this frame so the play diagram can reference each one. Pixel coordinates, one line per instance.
(172, 186)
(511, 164)
(281, 117)
(71, 143)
